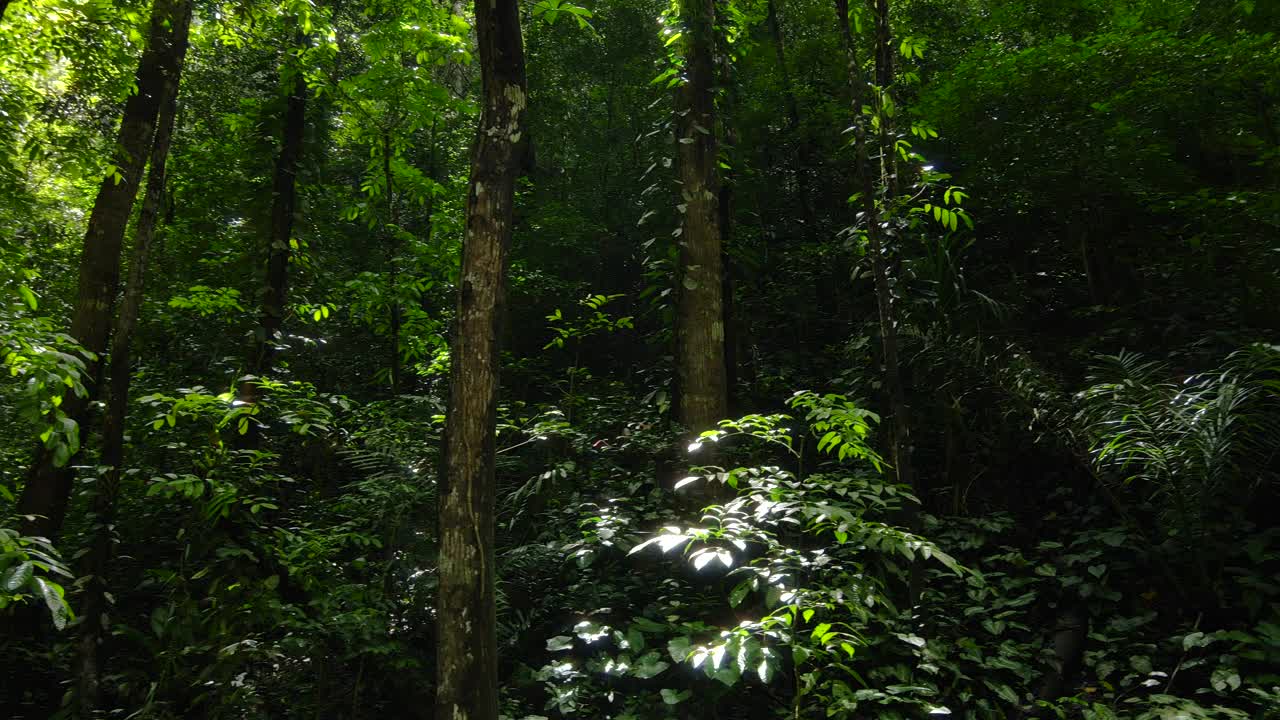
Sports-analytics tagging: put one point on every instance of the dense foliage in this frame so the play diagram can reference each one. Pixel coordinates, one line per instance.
(996, 314)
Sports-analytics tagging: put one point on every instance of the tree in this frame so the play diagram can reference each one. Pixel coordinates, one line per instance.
(300, 576)
(700, 333)
(48, 487)
(120, 373)
(284, 198)
(879, 218)
(467, 682)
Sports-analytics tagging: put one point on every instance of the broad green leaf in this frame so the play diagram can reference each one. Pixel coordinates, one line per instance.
(679, 648)
(52, 594)
(18, 576)
(28, 296)
(671, 697)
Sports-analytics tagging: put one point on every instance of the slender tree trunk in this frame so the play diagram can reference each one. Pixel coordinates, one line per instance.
(48, 486)
(101, 547)
(800, 167)
(433, 172)
(466, 658)
(393, 245)
(880, 253)
(284, 201)
(884, 257)
(703, 398)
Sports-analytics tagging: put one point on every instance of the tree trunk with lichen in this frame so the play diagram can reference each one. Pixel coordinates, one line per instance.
(48, 483)
(466, 658)
(700, 354)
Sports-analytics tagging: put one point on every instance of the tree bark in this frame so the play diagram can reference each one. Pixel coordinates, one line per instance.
(48, 487)
(467, 682)
(119, 375)
(703, 398)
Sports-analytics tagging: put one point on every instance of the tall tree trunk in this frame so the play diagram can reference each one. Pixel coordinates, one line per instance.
(393, 248)
(284, 201)
(703, 398)
(877, 220)
(466, 658)
(884, 256)
(800, 164)
(48, 486)
(119, 374)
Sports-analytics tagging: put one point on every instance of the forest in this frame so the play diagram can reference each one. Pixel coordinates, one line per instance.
(639, 359)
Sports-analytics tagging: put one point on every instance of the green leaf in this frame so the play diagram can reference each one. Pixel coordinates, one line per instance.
(28, 296)
(913, 640)
(649, 666)
(1195, 640)
(559, 643)
(678, 648)
(671, 697)
(765, 670)
(52, 593)
(739, 593)
(1225, 678)
(635, 639)
(1005, 692)
(17, 576)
